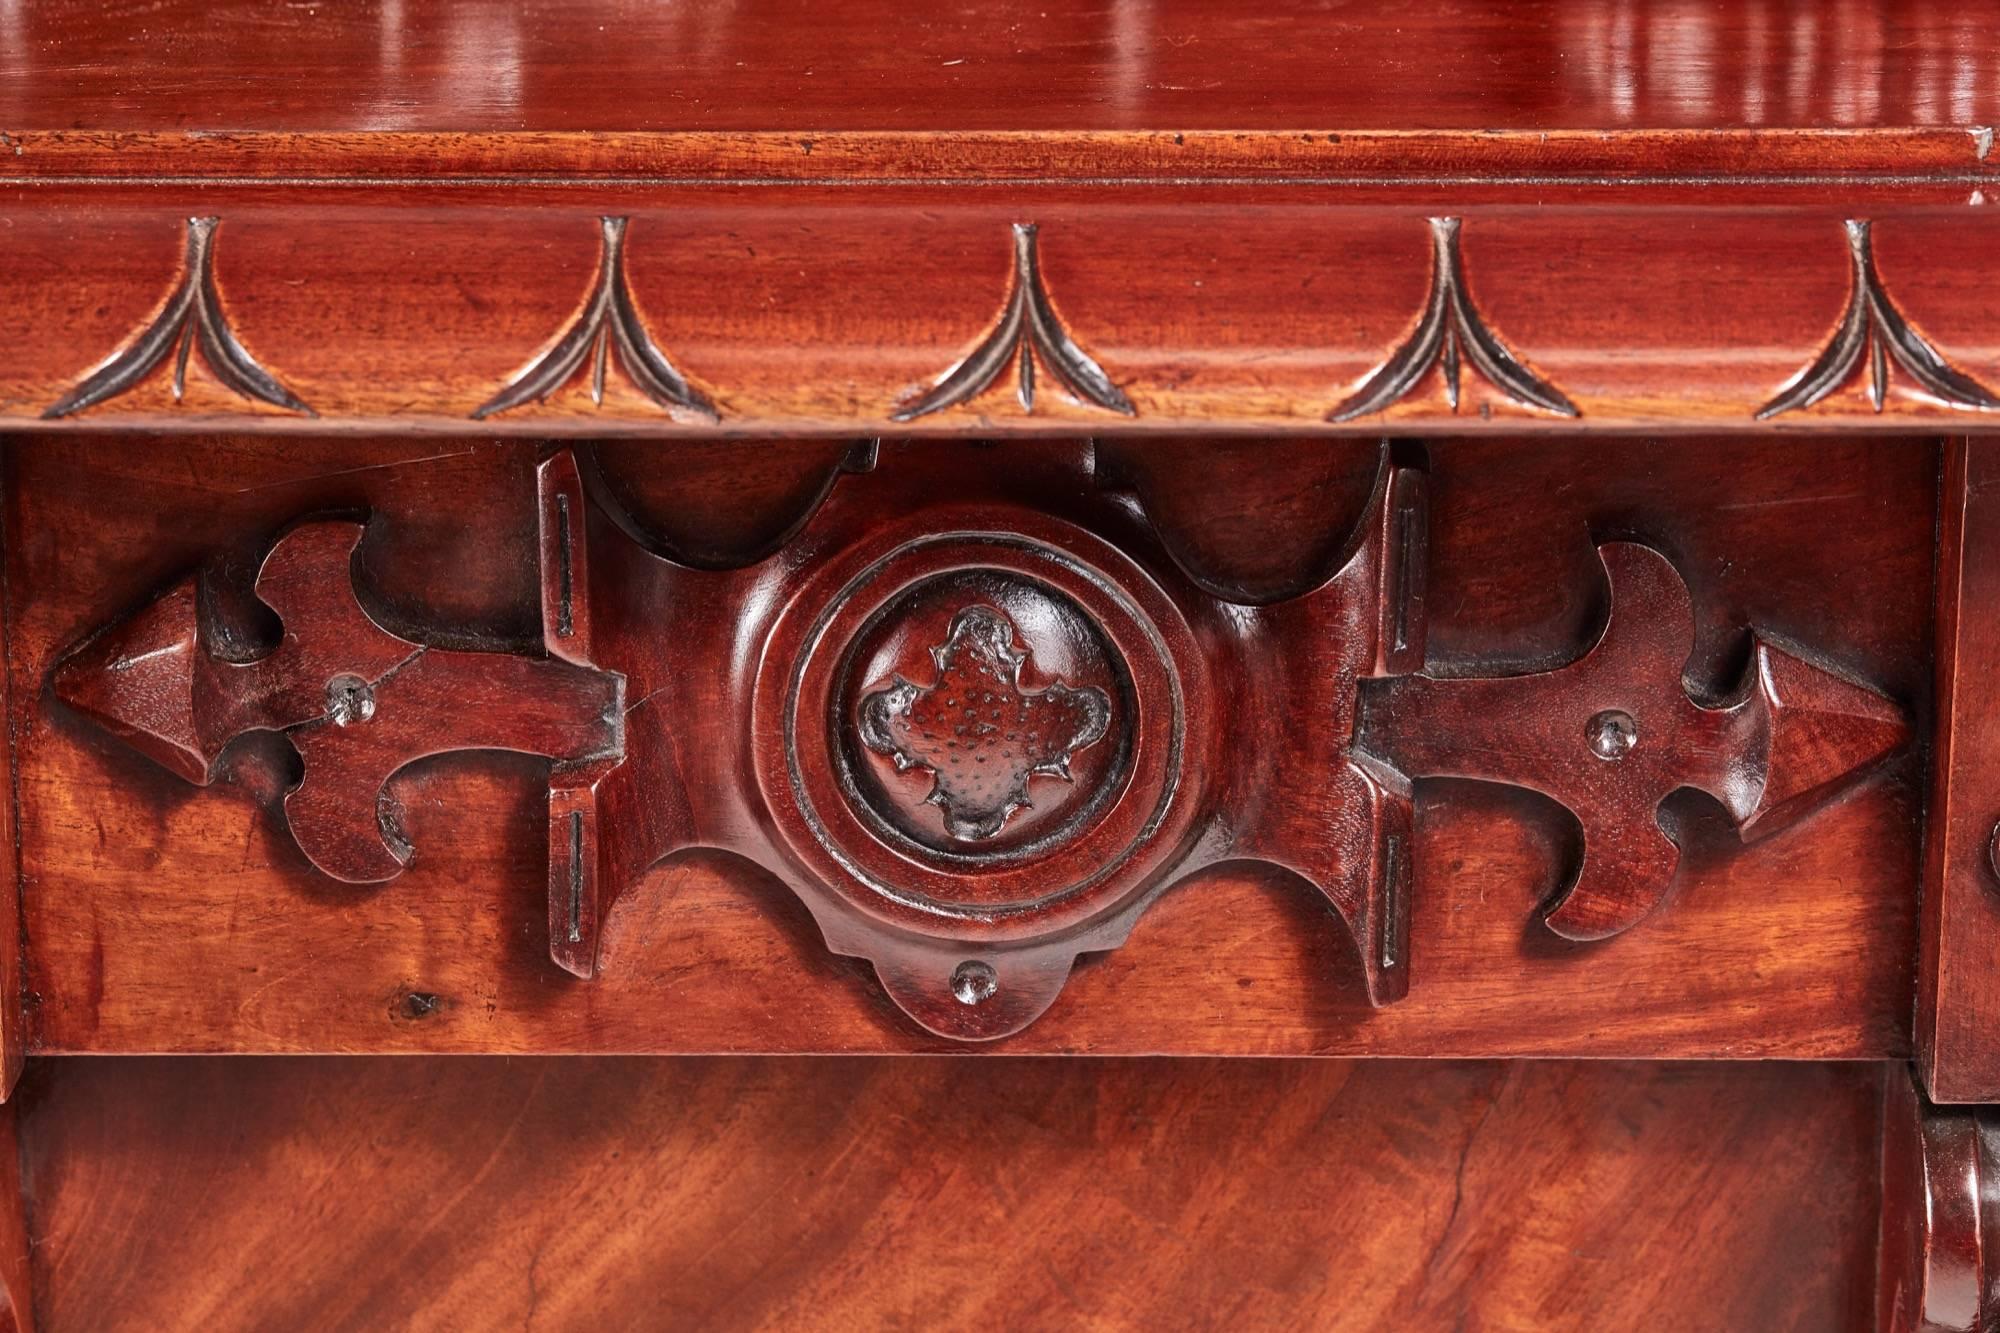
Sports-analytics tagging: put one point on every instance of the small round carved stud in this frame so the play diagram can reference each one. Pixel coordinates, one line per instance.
(1612, 734)
(349, 699)
(974, 982)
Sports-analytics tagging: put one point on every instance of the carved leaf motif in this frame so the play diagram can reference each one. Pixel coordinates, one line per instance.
(978, 732)
(1449, 319)
(609, 319)
(192, 315)
(1873, 324)
(1028, 327)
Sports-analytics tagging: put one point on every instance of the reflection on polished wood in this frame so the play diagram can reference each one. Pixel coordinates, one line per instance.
(789, 88)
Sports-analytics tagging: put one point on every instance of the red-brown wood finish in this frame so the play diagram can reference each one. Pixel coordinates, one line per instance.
(978, 736)
(951, 1193)
(252, 948)
(1940, 1211)
(837, 309)
(1613, 734)
(13, 1016)
(1166, 88)
(17, 1303)
(1958, 992)
(599, 527)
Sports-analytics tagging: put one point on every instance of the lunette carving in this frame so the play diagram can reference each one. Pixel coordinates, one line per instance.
(609, 320)
(1028, 327)
(1450, 320)
(1613, 733)
(978, 711)
(1872, 325)
(192, 316)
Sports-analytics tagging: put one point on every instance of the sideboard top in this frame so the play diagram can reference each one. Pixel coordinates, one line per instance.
(792, 88)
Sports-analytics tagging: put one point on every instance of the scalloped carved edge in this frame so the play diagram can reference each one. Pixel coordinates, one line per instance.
(1028, 327)
(1450, 319)
(1873, 323)
(192, 315)
(609, 319)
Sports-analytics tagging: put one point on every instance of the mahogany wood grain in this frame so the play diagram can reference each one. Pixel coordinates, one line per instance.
(1940, 1215)
(819, 310)
(17, 1303)
(165, 918)
(13, 1018)
(1958, 992)
(744, 1193)
(1163, 88)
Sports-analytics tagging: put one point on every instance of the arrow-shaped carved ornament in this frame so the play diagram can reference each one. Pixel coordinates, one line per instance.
(1613, 733)
(357, 702)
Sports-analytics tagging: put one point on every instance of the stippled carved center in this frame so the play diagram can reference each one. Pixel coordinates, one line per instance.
(981, 734)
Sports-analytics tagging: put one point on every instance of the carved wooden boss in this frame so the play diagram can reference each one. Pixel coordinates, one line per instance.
(978, 725)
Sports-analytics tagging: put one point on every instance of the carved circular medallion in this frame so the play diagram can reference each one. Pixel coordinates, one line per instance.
(978, 734)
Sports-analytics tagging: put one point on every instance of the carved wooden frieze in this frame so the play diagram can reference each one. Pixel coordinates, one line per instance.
(978, 727)
(192, 316)
(830, 318)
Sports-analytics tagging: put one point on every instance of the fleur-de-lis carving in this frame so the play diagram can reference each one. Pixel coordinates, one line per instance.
(1450, 319)
(193, 315)
(981, 735)
(609, 319)
(1872, 324)
(1028, 327)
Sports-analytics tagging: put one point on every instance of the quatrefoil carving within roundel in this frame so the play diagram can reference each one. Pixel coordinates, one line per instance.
(981, 734)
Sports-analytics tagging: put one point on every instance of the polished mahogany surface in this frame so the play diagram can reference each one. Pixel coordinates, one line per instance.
(1392, 412)
(838, 310)
(170, 917)
(792, 88)
(727, 1194)
(558, 65)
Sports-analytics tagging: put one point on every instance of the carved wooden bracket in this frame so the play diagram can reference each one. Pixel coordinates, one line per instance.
(1614, 733)
(979, 727)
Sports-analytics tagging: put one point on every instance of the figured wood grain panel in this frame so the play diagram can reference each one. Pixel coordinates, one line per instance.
(746, 1193)
(816, 310)
(167, 918)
